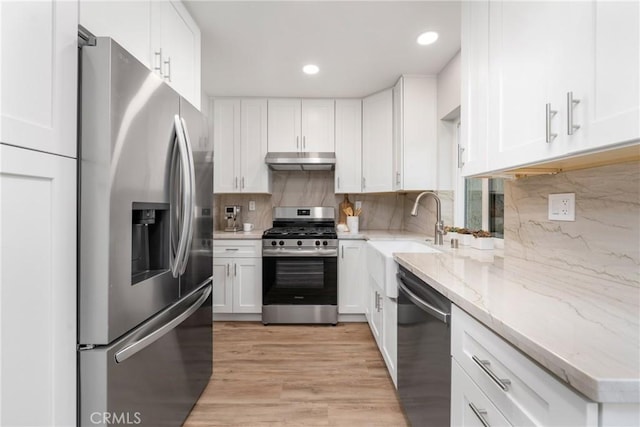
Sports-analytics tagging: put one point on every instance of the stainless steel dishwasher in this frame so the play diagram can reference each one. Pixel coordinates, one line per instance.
(424, 351)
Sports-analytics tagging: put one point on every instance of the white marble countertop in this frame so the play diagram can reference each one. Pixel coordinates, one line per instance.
(584, 330)
(254, 234)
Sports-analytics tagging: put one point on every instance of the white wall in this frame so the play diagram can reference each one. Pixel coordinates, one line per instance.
(449, 87)
(448, 114)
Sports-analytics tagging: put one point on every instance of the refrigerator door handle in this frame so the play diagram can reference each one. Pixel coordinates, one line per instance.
(182, 212)
(191, 197)
(149, 339)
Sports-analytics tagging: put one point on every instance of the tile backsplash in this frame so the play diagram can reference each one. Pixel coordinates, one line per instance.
(388, 211)
(604, 240)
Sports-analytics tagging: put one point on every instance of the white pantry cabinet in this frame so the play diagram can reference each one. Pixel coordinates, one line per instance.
(160, 34)
(377, 142)
(39, 81)
(415, 137)
(352, 284)
(127, 22)
(237, 276)
(240, 145)
(37, 288)
(301, 125)
(348, 173)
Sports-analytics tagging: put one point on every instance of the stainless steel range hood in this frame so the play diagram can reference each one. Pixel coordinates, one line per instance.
(301, 161)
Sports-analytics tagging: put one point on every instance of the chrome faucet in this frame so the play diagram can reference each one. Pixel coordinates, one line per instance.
(439, 228)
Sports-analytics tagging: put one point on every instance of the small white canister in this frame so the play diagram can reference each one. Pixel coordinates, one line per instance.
(353, 224)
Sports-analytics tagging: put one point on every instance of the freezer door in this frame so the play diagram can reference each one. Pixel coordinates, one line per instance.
(154, 375)
(200, 261)
(126, 142)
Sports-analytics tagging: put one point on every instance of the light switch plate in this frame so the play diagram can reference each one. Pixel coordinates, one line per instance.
(562, 207)
(252, 205)
(358, 204)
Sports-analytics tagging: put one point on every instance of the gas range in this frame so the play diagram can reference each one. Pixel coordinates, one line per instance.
(306, 230)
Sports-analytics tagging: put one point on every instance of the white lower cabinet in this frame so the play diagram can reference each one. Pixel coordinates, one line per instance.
(469, 405)
(390, 336)
(37, 288)
(237, 276)
(352, 286)
(522, 391)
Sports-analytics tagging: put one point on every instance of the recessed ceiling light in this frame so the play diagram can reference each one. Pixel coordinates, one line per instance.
(310, 69)
(427, 38)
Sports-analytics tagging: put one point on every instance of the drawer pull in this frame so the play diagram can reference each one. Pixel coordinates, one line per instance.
(484, 365)
(232, 249)
(480, 413)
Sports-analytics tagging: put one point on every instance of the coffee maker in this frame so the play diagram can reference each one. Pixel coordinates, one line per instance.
(232, 217)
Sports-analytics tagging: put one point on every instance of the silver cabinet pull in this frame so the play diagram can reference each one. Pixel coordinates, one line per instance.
(235, 184)
(342, 251)
(232, 249)
(158, 61)
(364, 182)
(460, 153)
(227, 270)
(167, 75)
(235, 269)
(298, 142)
(397, 178)
(484, 365)
(304, 142)
(380, 302)
(480, 413)
(549, 114)
(570, 104)
(376, 301)
(242, 182)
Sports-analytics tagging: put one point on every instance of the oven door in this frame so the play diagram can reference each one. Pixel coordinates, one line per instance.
(299, 280)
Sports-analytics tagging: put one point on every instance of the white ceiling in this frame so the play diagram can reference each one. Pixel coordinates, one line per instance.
(258, 48)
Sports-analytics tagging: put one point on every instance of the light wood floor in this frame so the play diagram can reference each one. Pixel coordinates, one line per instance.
(295, 375)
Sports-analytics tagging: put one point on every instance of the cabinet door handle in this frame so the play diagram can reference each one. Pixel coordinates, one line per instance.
(242, 182)
(235, 269)
(379, 302)
(364, 182)
(484, 365)
(570, 104)
(167, 75)
(342, 250)
(480, 413)
(235, 185)
(297, 142)
(460, 153)
(398, 178)
(232, 249)
(304, 142)
(158, 61)
(338, 182)
(227, 270)
(548, 115)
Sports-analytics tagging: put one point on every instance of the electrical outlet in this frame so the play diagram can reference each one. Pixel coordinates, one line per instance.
(358, 204)
(252, 205)
(562, 207)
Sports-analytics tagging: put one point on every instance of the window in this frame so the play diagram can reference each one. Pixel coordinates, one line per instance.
(484, 205)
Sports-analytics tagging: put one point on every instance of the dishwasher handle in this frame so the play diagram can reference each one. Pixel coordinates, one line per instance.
(433, 311)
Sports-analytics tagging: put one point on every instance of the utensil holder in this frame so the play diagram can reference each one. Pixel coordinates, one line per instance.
(353, 223)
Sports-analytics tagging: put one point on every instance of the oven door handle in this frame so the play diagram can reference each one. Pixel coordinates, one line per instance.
(274, 253)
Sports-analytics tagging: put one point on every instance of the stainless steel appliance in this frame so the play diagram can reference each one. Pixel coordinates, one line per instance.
(232, 218)
(300, 266)
(145, 256)
(424, 351)
(300, 161)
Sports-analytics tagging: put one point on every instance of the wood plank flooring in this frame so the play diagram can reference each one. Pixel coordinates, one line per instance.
(294, 375)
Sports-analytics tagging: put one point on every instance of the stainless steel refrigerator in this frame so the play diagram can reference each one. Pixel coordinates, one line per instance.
(145, 255)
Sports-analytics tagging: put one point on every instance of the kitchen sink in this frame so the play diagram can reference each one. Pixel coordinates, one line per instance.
(381, 266)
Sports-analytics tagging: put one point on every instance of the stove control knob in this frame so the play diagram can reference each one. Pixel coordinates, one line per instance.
(324, 243)
(281, 243)
(273, 243)
(299, 242)
(317, 242)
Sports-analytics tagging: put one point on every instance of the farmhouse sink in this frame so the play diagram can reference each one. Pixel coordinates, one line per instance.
(381, 266)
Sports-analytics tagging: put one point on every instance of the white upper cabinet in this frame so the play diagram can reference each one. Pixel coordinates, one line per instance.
(348, 174)
(474, 102)
(175, 42)
(318, 125)
(614, 113)
(127, 22)
(563, 78)
(415, 137)
(160, 34)
(305, 125)
(39, 81)
(377, 142)
(240, 146)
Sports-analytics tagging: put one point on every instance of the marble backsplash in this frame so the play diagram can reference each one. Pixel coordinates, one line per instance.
(388, 211)
(604, 240)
